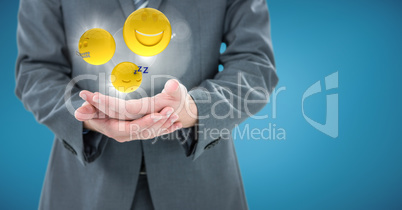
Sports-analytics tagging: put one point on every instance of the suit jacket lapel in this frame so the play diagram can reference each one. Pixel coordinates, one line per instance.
(127, 6)
(154, 3)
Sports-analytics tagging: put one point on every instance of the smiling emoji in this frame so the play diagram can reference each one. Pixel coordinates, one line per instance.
(147, 32)
(96, 46)
(125, 77)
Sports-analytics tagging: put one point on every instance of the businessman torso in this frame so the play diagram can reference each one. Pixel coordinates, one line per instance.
(176, 182)
(105, 177)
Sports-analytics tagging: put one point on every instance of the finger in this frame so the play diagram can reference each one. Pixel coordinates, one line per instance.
(143, 106)
(136, 127)
(165, 115)
(85, 112)
(165, 127)
(169, 122)
(171, 87)
(144, 131)
(154, 130)
(123, 109)
(176, 92)
(86, 95)
(174, 88)
(89, 97)
(123, 131)
(118, 108)
(172, 128)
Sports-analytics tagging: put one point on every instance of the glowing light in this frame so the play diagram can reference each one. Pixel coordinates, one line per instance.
(147, 32)
(96, 46)
(125, 77)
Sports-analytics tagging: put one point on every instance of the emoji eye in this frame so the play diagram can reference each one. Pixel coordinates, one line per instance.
(80, 45)
(155, 17)
(144, 17)
(85, 43)
(112, 78)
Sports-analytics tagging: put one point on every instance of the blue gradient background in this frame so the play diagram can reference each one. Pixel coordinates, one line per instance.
(361, 169)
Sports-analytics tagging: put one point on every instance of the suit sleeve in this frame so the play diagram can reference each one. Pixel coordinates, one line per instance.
(43, 72)
(249, 74)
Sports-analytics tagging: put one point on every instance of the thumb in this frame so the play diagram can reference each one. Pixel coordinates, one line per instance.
(174, 88)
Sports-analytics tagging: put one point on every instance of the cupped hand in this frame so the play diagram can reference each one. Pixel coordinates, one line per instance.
(146, 127)
(174, 94)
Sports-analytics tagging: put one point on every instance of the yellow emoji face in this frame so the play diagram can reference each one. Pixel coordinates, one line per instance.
(125, 77)
(147, 32)
(96, 46)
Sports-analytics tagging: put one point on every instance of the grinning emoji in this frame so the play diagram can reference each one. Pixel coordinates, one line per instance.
(96, 46)
(125, 77)
(147, 32)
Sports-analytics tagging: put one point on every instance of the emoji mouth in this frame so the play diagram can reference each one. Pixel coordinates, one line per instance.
(144, 34)
(126, 81)
(148, 39)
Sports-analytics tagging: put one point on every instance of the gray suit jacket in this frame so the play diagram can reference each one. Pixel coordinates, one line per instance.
(95, 172)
